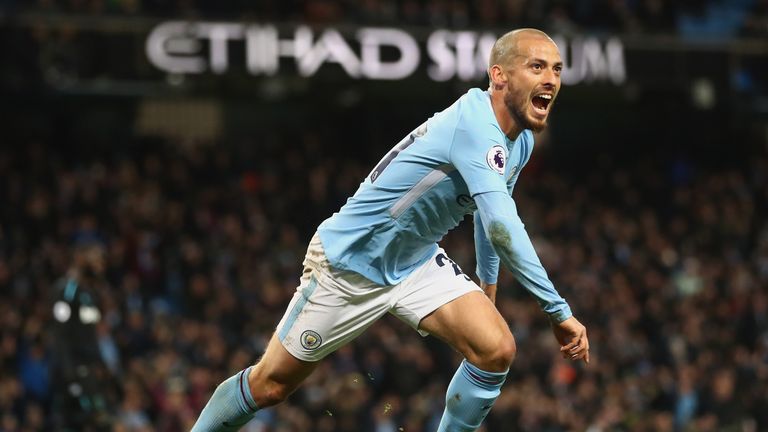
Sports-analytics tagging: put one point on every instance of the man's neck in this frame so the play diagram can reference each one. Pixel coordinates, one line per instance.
(504, 118)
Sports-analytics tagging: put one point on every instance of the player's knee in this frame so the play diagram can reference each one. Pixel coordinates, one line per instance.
(500, 357)
(508, 350)
(504, 353)
(273, 394)
(267, 391)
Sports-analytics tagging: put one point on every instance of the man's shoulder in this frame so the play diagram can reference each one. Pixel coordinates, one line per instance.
(476, 114)
(475, 103)
(465, 124)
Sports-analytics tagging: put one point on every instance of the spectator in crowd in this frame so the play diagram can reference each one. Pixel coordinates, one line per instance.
(84, 391)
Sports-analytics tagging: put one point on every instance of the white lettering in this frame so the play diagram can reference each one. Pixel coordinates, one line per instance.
(299, 46)
(572, 71)
(465, 55)
(588, 62)
(468, 62)
(219, 35)
(444, 67)
(171, 45)
(484, 46)
(262, 50)
(371, 41)
(594, 60)
(330, 48)
(176, 47)
(616, 69)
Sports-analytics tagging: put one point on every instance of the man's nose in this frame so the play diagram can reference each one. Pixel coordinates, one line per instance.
(549, 78)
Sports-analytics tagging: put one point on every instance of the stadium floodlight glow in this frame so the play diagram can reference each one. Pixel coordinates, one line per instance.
(179, 47)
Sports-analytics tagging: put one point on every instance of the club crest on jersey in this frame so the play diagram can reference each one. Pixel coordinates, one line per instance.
(310, 339)
(497, 159)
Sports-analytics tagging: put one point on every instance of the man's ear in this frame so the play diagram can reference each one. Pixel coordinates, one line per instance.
(497, 76)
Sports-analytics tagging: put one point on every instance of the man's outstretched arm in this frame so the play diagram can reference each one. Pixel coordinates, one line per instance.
(506, 234)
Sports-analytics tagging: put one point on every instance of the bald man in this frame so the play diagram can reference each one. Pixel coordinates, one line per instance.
(379, 253)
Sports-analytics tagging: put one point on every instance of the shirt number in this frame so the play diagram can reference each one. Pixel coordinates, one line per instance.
(402, 145)
(442, 260)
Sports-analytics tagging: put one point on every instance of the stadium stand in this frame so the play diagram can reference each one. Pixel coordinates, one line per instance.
(664, 254)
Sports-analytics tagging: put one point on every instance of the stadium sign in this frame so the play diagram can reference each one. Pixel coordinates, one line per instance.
(371, 53)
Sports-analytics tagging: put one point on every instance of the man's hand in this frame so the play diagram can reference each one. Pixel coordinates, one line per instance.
(490, 291)
(572, 337)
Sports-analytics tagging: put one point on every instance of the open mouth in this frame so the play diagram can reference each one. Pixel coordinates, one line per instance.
(541, 102)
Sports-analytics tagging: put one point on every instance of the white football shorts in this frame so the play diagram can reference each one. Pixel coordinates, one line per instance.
(331, 307)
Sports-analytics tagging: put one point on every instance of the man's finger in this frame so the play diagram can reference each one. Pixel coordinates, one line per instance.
(586, 357)
(579, 352)
(583, 344)
(575, 342)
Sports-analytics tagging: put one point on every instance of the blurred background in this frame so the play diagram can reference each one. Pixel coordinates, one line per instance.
(163, 164)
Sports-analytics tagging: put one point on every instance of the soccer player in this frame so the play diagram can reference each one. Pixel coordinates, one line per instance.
(379, 253)
(85, 391)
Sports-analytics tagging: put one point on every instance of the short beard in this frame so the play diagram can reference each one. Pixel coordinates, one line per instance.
(518, 113)
(527, 124)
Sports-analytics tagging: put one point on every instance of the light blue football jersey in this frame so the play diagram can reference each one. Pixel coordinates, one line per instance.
(422, 189)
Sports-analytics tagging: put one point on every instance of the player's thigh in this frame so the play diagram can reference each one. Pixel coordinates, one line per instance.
(471, 324)
(439, 299)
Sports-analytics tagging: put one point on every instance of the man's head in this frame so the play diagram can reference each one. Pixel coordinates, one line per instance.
(90, 259)
(525, 68)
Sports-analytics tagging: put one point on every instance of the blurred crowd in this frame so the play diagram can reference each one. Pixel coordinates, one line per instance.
(691, 17)
(665, 261)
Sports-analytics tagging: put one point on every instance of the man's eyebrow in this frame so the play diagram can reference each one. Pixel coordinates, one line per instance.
(544, 62)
